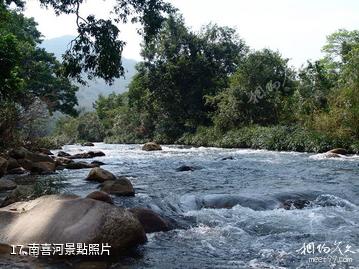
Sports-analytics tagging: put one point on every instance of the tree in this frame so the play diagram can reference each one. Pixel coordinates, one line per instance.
(182, 67)
(97, 50)
(257, 91)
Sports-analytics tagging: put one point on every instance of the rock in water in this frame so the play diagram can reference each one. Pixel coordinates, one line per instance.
(43, 168)
(88, 144)
(6, 185)
(63, 154)
(100, 196)
(150, 220)
(120, 187)
(338, 151)
(184, 168)
(3, 166)
(151, 146)
(64, 218)
(100, 175)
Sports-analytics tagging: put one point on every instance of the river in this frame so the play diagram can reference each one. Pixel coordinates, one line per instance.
(228, 213)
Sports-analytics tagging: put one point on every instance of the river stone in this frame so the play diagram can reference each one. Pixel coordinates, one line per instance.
(340, 151)
(100, 175)
(38, 157)
(3, 166)
(79, 165)
(120, 187)
(63, 218)
(12, 164)
(43, 168)
(63, 154)
(150, 220)
(22, 192)
(88, 144)
(184, 168)
(6, 185)
(100, 196)
(151, 146)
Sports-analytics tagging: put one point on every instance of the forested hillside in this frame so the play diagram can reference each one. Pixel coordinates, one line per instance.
(208, 88)
(88, 94)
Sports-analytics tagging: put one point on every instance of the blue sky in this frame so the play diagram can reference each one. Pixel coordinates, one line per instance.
(297, 28)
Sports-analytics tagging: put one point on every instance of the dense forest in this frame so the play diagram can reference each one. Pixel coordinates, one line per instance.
(203, 88)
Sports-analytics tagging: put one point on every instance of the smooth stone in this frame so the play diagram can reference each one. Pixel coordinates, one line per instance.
(151, 221)
(100, 196)
(151, 146)
(69, 218)
(6, 185)
(184, 168)
(63, 154)
(120, 187)
(100, 175)
(340, 151)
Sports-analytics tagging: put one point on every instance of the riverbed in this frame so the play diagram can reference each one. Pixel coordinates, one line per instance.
(228, 212)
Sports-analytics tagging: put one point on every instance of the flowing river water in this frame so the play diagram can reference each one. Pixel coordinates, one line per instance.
(228, 212)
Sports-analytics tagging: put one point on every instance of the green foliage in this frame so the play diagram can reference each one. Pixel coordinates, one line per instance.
(182, 67)
(86, 127)
(280, 138)
(257, 91)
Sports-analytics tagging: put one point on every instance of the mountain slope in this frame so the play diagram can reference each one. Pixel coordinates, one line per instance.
(87, 95)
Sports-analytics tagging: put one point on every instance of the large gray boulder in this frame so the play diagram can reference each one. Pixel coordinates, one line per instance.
(64, 218)
(120, 187)
(100, 175)
(6, 185)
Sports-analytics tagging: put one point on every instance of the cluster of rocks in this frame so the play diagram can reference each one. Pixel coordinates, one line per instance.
(70, 218)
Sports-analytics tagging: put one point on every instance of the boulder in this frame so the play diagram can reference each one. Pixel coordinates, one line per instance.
(227, 158)
(87, 155)
(19, 153)
(100, 175)
(100, 196)
(63, 154)
(26, 164)
(97, 153)
(338, 151)
(6, 185)
(88, 144)
(79, 165)
(184, 168)
(120, 187)
(22, 192)
(97, 163)
(23, 153)
(150, 220)
(12, 164)
(3, 166)
(63, 218)
(43, 168)
(151, 146)
(62, 161)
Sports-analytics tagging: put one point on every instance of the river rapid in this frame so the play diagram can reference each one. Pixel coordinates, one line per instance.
(228, 212)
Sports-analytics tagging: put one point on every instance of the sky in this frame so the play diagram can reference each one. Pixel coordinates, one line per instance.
(297, 28)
